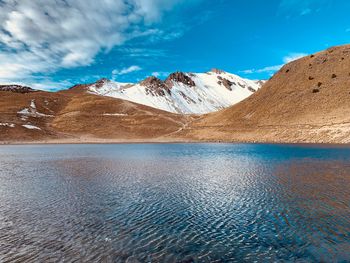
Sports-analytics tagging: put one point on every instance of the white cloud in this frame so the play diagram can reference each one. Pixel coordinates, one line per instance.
(272, 69)
(269, 69)
(142, 52)
(49, 85)
(160, 74)
(293, 56)
(42, 83)
(301, 7)
(44, 36)
(306, 11)
(248, 71)
(124, 71)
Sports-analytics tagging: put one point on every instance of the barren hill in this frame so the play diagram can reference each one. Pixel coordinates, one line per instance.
(308, 100)
(76, 116)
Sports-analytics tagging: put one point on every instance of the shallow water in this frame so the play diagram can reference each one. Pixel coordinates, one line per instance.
(174, 203)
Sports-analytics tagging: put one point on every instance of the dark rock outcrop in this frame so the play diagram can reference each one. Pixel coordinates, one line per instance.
(260, 82)
(251, 89)
(179, 77)
(101, 82)
(155, 86)
(16, 88)
(217, 71)
(227, 84)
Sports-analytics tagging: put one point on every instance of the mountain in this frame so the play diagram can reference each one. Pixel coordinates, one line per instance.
(107, 110)
(186, 93)
(77, 116)
(308, 100)
(16, 88)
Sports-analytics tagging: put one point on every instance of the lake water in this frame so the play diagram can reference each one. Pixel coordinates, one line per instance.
(174, 203)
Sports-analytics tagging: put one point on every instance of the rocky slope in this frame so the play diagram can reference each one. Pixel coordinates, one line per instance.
(308, 100)
(16, 88)
(186, 93)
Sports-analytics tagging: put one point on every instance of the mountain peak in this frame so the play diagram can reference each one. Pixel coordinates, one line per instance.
(101, 82)
(179, 77)
(217, 71)
(152, 80)
(16, 88)
(154, 84)
(182, 92)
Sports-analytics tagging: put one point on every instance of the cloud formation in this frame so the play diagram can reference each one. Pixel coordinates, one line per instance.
(268, 69)
(43, 36)
(124, 71)
(301, 7)
(272, 69)
(160, 74)
(293, 56)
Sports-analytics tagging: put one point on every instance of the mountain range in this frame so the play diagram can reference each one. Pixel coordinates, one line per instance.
(308, 100)
(185, 93)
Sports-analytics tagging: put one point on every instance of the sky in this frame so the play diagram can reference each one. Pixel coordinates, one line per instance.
(54, 44)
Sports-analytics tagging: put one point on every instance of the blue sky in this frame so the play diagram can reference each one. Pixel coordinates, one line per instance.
(54, 44)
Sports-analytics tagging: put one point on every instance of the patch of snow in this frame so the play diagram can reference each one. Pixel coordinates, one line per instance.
(38, 114)
(5, 124)
(208, 95)
(32, 104)
(32, 112)
(25, 111)
(115, 114)
(31, 127)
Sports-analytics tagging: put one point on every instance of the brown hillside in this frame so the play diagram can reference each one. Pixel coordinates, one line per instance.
(308, 100)
(87, 115)
(74, 116)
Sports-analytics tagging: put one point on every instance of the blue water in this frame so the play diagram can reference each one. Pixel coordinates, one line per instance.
(174, 203)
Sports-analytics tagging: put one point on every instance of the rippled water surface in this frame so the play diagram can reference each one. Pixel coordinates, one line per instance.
(174, 203)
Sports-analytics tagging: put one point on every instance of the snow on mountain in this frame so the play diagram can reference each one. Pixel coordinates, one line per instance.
(16, 88)
(188, 93)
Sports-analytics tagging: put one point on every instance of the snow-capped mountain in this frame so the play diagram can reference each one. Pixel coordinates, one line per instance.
(187, 93)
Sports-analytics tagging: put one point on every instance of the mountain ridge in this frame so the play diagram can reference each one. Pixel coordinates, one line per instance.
(16, 88)
(184, 93)
(76, 116)
(307, 100)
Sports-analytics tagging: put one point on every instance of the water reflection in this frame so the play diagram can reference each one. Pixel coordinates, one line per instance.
(174, 203)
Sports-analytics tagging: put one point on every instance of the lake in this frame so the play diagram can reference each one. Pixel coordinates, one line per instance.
(174, 203)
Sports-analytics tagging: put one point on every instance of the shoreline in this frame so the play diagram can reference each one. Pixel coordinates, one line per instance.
(160, 141)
